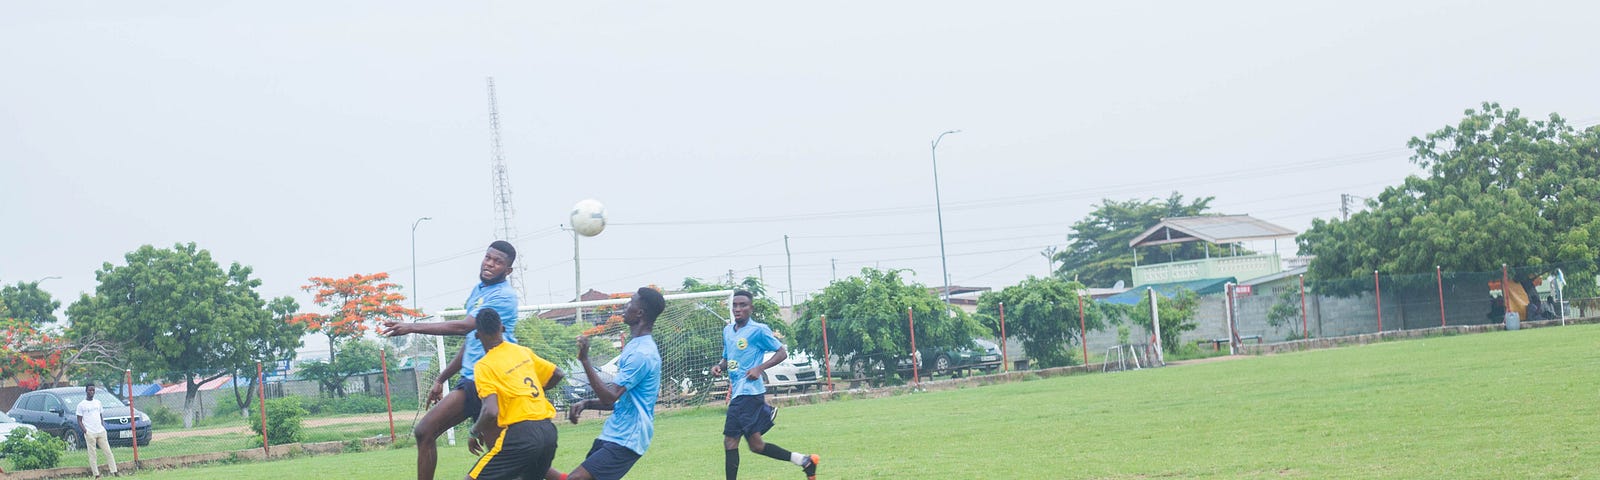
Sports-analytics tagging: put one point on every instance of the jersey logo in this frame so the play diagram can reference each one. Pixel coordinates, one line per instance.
(732, 365)
(741, 344)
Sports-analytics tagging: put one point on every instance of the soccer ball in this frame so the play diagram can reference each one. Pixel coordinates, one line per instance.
(589, 217)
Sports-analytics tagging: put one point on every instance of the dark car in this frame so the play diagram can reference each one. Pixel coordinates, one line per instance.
(54, 411)
(985, 358)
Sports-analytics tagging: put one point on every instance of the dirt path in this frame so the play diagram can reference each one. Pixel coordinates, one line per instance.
(400, 418)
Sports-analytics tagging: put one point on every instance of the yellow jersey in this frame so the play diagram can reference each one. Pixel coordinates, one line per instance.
(518, 376)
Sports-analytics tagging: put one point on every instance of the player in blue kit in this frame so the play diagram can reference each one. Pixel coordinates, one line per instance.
(744, 343)
(630, 395)
(493, 291)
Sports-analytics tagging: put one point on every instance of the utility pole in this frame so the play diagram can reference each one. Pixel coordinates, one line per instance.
(789, 262)
(835, 270)
(1344, 206)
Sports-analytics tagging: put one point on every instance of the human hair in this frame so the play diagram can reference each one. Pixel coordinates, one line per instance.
(651, 301)
(489, 320)
(745, 294)
(506, 248)
(90, 384)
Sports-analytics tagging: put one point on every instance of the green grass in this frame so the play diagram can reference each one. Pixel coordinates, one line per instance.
(1498, 405)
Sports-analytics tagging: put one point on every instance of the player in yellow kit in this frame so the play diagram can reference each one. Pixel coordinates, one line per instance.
(515, 423)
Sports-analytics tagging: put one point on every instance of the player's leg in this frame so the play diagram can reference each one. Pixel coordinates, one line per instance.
(449, 412)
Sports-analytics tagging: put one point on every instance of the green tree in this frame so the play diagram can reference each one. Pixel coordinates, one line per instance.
(763, 308)
(1043, 314)
(27, 302)
(1177, 316)
(867, 320)
(269, 350)
(359, 356)
(1099, 253)
(180, 315)
(1498, 188)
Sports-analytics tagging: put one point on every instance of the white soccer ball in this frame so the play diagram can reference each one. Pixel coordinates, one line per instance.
(589, 217)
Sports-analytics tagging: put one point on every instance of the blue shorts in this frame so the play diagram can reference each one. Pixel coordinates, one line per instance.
(608, 460)
(474, 405)
(747, 414)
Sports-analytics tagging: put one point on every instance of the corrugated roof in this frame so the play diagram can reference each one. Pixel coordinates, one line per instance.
(1218, 229)
(1200, 287)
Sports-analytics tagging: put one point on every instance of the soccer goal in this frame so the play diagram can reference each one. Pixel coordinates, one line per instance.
(688, 334)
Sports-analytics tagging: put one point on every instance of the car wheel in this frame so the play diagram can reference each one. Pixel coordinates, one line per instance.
(941, 364)
(74, 441)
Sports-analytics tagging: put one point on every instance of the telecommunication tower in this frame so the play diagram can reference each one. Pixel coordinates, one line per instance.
(505, 210)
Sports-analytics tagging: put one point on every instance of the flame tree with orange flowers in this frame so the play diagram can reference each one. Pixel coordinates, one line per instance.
(356, 304)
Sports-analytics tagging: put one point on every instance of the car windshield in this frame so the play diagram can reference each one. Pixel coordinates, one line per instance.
(106, 400)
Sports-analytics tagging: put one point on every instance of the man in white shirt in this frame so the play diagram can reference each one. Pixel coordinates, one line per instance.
(94, 431)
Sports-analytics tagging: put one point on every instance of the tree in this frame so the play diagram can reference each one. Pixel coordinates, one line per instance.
(360, 356)
(763, 309)
(1177, 316)
(1099, 253)
(27, 302)
(27, 354)
(1499, 188)
(359, 302)
(268, 350)
(867, 320)
(182, 314)
(1043, 314)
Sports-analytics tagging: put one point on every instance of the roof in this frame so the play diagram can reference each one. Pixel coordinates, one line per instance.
(1218, 229)
(1203, 287)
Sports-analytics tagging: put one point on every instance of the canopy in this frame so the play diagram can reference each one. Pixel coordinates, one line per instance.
(1216, 229)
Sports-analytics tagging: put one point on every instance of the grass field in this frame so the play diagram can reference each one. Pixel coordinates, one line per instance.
(1498, 405)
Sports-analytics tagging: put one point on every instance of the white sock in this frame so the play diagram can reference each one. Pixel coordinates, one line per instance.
(798, 458)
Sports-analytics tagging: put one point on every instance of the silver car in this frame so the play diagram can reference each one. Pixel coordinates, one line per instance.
(9, 425)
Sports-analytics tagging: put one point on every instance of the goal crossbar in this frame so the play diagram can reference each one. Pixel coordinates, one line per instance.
(457, 312)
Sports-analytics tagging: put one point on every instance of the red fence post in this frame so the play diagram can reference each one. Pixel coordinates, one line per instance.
(133, 418)
(261, 392)
(383, 360)
(915, 358)
(1438, 277)
(827, 356)
(1378, 288)
(1005, 360)
(1305, 327)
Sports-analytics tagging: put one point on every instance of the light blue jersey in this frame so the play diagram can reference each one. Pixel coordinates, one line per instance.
(503, 299)
(633, 417)
(745, 348)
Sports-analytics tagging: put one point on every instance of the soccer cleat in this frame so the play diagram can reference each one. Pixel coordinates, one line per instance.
(811, 466)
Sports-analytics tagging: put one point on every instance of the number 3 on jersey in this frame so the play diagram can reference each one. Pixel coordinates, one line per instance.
(533, 385)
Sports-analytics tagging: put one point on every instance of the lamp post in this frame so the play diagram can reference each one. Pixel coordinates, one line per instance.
(438, 341)
(938, 206)
(52, 277)
(414, 260)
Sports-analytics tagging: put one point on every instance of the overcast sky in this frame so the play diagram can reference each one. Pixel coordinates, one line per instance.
(303, 139)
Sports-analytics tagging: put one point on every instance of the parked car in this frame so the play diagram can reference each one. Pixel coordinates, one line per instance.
(798, 372)
(954, 361)
(54, 412)
(10, 425)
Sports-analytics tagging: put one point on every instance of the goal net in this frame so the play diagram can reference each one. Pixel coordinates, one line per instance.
(688, 334)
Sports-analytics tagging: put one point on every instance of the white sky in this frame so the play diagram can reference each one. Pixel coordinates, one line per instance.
(303, 138)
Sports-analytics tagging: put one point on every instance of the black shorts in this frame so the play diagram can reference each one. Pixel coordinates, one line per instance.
(525, 450)
(473, 405)
(747, 414)
(608, 460)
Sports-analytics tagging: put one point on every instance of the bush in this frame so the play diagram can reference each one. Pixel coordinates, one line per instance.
(162, 416)
(33, 450)
(284, 417)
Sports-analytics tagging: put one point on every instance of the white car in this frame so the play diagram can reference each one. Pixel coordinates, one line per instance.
(798, 373)
(9, 425)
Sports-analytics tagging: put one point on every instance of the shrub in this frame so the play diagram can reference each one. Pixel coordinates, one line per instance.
(33, 450)
(284, 417)
(162, 416)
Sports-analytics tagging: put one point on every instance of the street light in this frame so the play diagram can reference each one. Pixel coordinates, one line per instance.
(52, 277)
(938, 206)
(414, 260)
